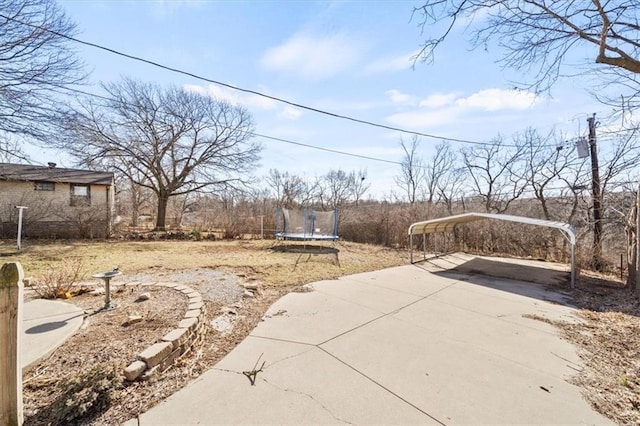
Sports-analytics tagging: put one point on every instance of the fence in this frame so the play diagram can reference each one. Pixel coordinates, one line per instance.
(11, 300)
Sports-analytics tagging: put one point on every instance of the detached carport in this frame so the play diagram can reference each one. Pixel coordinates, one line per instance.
(448, 224)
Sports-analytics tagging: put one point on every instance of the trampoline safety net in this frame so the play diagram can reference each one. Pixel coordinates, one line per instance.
(307, 224)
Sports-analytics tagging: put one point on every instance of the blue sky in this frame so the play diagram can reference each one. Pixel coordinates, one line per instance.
(348, 57)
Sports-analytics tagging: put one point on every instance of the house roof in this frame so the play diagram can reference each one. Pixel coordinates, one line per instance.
(31, 173)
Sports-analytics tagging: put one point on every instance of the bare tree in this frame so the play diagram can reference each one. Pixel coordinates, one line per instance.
(10, 148)
(336, 188)
(547, 169)
(496, 173)
(359, 185)
(174, 141)
(412, 172)
(35, 62)
(447, 177)
(288, 189)
(537, 35)
(442, 161)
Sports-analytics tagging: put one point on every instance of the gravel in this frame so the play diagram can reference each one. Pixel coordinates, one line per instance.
(213, 285)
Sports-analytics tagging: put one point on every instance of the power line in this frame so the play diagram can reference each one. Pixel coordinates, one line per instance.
(253, 92)
(273, 138)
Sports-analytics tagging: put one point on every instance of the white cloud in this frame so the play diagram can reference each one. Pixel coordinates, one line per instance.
(165, 8)
(400, 98)
(448, 108)
(500, 99)
(422, 118)
(438, 100)
(248, 100)
(290, 113)
(391, 63)
(313, 57)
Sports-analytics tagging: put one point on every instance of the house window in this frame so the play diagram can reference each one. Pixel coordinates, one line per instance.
(44, 186)
(80, 195)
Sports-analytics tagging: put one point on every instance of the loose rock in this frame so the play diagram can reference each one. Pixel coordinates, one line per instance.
(134, 318)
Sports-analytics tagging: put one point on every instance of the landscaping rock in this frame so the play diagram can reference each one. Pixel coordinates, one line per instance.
(251, 286)
(97, 292)
(223, 323)
(228, 310)
(154, 354)
(134, 318)
(134, 370)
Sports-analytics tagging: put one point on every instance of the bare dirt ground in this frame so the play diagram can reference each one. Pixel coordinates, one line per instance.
(106, 344)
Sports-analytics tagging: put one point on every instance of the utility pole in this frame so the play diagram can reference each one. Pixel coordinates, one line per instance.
(596, 259)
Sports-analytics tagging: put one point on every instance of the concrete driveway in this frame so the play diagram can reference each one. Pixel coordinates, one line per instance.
(415, 344)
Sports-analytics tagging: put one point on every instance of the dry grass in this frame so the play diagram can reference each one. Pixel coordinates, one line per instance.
(253, 259)
(279, 272)
(608, 341)
(608, 338)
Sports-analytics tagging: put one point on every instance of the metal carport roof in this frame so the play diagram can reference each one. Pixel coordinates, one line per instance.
(446, 224)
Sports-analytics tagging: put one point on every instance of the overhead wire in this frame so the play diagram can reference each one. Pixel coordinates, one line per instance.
(249, 91)
(273, 138)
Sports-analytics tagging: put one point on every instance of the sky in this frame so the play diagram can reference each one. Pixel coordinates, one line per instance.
(351, 58)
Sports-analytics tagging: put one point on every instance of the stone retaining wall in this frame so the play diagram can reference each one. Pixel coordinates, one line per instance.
(160, 355)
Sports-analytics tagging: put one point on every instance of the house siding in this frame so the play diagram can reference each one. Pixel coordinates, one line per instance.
(49, 214)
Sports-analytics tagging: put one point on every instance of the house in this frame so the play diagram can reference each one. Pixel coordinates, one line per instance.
(60, 202)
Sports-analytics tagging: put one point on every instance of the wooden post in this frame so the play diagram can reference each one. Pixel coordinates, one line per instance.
(11, 294)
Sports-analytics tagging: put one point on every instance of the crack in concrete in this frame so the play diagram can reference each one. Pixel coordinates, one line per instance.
(324, 407)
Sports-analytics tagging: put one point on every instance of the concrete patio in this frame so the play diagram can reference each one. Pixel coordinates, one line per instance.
(419, 344)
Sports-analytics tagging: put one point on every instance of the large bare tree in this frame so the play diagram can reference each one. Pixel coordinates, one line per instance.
(36, 61)
(171, 141)
(496, 173)
(412, 171)
(289, 189)
(541, 35)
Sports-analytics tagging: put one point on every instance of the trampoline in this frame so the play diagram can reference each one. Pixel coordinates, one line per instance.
(307, 225)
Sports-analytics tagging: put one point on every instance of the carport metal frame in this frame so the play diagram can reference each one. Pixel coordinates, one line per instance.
(446, 224)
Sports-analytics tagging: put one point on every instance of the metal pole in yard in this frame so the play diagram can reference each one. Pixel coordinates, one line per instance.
(262, 227)
(19, 241)
(573, 265)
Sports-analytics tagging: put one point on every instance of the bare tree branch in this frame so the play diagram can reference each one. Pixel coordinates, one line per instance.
(171, 141)
(34, 64)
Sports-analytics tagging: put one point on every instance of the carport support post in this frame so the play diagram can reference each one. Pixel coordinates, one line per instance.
(411, 248)
(11, 293)
(424, 246)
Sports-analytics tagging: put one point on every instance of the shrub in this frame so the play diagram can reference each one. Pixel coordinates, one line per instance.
(85, 396)
(57, 282)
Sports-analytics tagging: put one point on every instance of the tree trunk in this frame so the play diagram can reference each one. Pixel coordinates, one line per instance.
(632, 245)
(163, 200)
(135, 205)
